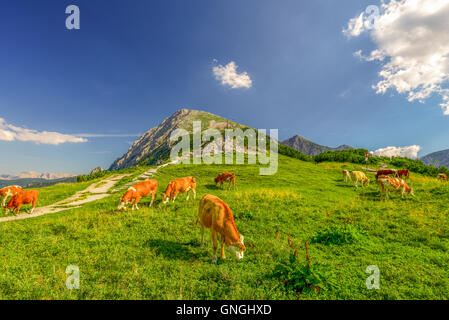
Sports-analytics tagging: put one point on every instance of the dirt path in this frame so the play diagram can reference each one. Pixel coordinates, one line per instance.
(94, 192)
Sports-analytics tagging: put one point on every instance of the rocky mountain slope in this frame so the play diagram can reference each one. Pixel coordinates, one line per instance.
(154, 145)
(438, 159)
(310, 148)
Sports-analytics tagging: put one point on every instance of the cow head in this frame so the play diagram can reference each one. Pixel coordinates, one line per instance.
(165, 198)
(239, 248)
(121, 206)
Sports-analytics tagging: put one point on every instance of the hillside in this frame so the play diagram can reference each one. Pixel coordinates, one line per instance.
(154, 145)
(310, 148)
(134, 255)
(438, 159)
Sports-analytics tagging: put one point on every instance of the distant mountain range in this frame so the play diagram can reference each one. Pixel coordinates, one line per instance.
(438, 159)
(36, 175)
(310, 148)
(154, 145)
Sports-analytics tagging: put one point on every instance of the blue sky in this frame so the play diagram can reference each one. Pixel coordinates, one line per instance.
(133, 63)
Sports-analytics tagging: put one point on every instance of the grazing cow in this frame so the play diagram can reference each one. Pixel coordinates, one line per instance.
(22, 198)
(181, 185)
(359, 176)
(216, 215)
(9, 192)
(386, 173)
(138, 191)
(403, 174)
(388, 184)
(442, 177)
(346, 175)
(226, 177)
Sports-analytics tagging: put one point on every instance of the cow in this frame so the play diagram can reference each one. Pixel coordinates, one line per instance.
(359, 176)
(138, 191)
(181, 185)
(388, 184)
(403, 174)
(225, 177)
(216, 215)
(442, 177)
(21, 198)
(346, 175)
(386, 173)
(9, 192)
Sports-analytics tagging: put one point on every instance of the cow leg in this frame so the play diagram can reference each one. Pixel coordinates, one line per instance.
(18, 209)
(3, 201)
(194, 194)
(188, 194)
(174, 196)
(136, 202)
(223, 249)
(214, 245)
(202, 235)
(152, 198)
(34, 206)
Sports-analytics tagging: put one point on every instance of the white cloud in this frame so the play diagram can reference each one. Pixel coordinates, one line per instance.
(229, 76)
(407, 152)
(412, 42)
(8, 132)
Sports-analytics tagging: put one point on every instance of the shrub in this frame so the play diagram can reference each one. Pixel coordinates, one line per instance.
(338, 235)
(299, 277)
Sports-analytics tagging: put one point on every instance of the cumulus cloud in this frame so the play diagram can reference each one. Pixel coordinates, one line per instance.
(9, 132)
(406, 152)
(228, 76)
(412, 42)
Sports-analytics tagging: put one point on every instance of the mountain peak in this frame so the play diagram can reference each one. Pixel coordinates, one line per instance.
(310, 148)
(154, 144)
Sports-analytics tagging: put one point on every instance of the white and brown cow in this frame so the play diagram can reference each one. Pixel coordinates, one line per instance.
(7, 192)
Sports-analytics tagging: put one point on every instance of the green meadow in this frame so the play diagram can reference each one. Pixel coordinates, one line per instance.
(155, 253)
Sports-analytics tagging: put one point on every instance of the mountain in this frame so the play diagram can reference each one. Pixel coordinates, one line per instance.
(37, 175)
(154, 145)
(310, 148)
(438, 159)
(35, 182)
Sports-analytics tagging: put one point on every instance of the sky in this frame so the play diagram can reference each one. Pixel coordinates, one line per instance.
(74, 99)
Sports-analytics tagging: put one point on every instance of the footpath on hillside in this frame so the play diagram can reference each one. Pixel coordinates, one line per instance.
(94, 192)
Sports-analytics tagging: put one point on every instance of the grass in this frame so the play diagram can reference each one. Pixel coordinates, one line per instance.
(155, 253)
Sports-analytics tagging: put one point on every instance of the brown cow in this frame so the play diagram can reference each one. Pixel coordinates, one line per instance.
(403, 173)
(138, 191)
(9, 192)
(216, 215)
(442, 177)
(22, 198)
(388, 184)
(181, 185)
(226, 177)
(386, 173)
